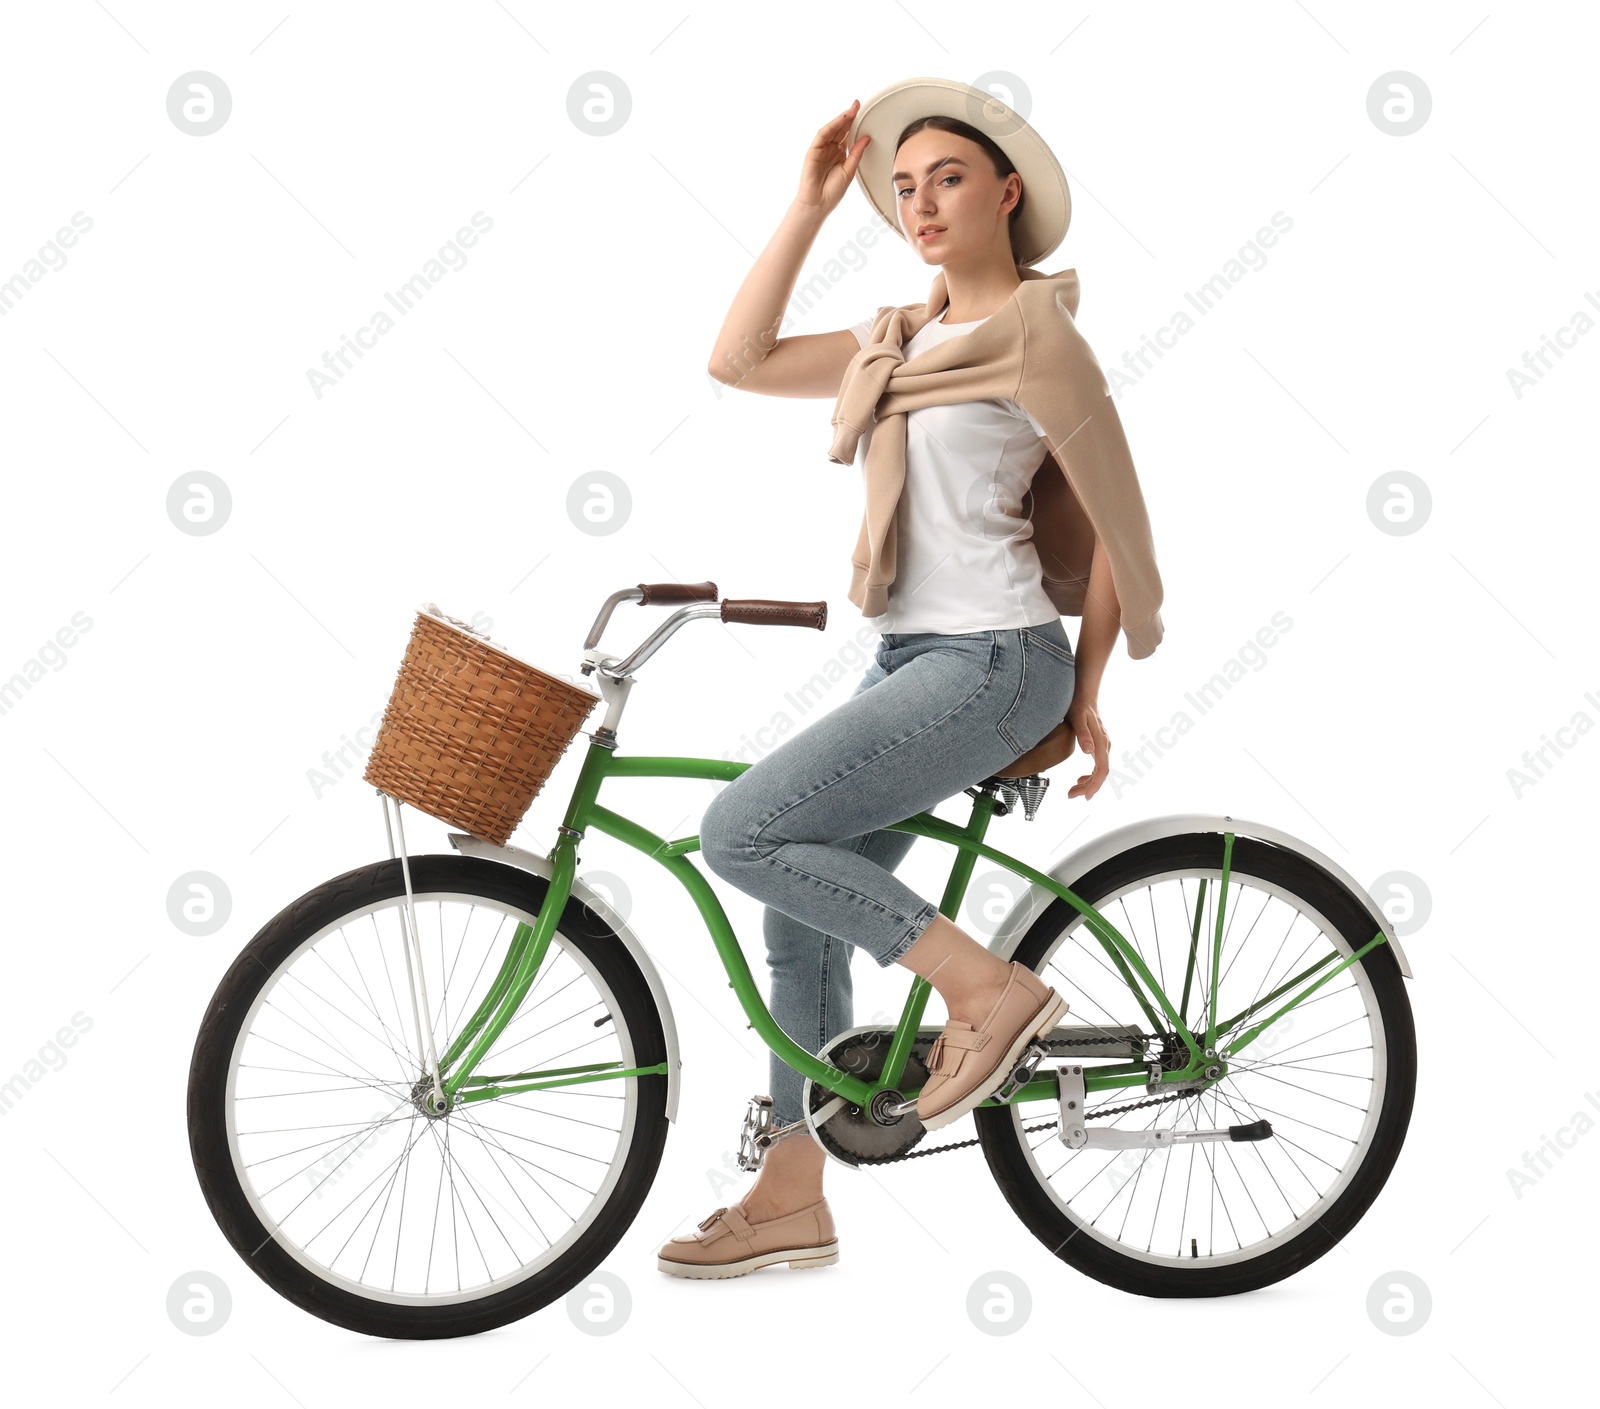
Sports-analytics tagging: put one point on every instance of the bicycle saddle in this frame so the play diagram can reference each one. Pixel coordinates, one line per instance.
(1049, 751)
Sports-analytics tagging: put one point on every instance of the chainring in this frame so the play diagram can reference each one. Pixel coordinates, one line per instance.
(850, 1134)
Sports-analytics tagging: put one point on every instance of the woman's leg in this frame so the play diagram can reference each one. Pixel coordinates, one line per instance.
(811, 1000)
(812, 997)
(949, 711)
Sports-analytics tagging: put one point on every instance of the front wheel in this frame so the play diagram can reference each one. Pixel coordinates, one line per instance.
(1335, 1076)
(319, 1153)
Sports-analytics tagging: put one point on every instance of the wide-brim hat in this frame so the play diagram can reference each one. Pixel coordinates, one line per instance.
(1047, 207)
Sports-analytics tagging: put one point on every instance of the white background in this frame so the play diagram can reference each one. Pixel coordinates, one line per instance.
(180, 732)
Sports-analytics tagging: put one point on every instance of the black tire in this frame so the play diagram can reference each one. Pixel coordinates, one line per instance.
(1000, 1127)
(580, 928)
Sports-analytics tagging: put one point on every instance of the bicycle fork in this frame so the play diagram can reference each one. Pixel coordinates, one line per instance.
(451, 1079)
(427, 1053)
(498, 1007)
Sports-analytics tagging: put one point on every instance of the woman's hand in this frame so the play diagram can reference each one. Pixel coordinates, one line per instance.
(1083, 718)
(829, 168)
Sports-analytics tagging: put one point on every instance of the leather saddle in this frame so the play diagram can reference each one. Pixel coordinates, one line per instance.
(1020, 780)
(1057, 745)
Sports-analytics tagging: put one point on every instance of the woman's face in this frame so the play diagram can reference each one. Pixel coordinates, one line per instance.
(949, 201)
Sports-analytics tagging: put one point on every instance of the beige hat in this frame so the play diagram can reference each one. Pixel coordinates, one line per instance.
(1048, 204)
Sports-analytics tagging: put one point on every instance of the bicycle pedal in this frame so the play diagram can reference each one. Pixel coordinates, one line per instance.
(758, 1134)
(757, 1121)
(1021, 1073)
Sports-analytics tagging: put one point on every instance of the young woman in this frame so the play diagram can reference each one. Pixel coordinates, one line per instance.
(974, 668)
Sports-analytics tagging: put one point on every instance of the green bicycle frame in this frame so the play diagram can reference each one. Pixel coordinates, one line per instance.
(1206, 1064)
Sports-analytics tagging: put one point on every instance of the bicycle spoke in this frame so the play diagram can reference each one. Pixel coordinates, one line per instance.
(472, 1122)
(1286, 1147)
(601, 1037)
(519, 1102)
(410, 1142)
(528, 1007)
(1161, 971)
(301, 1149)
(338, 1011)
(523, 1041)
(377, 1083)
(543, 1169)
(433, 1234)
(479, 1123)
(1255, 1147)
(327, 1176)
(388, 1037)
(400, 1165)
(1318, 1094)
(334, 1046)
(1301, 1066)
(456, 1198)
(388, 1184)
(472, 988)
(383, 954)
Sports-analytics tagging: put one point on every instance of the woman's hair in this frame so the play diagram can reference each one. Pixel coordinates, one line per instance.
(1002, 163)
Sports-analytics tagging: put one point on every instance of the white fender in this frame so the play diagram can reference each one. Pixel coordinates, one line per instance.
(542, 866)
(1079, 863)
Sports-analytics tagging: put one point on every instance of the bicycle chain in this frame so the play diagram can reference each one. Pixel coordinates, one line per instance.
(1049, 1124)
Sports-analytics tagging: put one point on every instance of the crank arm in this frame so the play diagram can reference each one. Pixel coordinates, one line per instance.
(828, 1108)
(1020, 1075)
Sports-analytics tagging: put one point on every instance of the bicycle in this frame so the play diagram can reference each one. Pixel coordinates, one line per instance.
(521, 1140)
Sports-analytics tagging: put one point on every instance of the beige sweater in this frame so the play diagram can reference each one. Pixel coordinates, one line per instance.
(1030, 352)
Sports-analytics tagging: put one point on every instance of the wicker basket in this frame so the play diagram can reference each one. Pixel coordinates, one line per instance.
(471, 733)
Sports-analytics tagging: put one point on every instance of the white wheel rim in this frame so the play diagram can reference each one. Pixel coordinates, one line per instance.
(1121, 1172)
(480, 1260)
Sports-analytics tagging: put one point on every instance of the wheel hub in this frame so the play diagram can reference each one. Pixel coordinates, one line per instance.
(422, 1098)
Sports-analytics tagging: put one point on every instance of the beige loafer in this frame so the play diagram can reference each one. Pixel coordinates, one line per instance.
(727, 1244)
(967, 1065)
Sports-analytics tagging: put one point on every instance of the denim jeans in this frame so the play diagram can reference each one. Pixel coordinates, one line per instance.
(802, 829)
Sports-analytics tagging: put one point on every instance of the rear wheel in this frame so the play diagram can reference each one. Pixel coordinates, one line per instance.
(315, 1147)
(1335, 1077)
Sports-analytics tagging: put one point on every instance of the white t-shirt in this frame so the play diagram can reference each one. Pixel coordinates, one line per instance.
(965, 559)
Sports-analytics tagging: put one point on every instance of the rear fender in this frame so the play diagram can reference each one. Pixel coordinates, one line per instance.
(1071, 869)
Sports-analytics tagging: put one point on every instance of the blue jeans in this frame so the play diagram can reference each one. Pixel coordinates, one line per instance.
(802, 829)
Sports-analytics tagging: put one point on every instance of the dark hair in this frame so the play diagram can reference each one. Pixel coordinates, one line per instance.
(1002, 163)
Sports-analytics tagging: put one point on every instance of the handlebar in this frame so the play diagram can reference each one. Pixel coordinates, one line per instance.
(752, 611)
(757, 611)
(676, 592)
(645, 594)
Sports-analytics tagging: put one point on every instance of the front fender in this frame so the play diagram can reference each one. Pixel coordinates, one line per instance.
(1072, 868)
(541, 866)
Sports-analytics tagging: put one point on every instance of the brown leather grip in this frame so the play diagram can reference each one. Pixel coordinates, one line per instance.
(677, 592)
(758, 612)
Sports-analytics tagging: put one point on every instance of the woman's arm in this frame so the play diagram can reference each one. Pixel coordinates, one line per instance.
(748, 352)
(1102, 620)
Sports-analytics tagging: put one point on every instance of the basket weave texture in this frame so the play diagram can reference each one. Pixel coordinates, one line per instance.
(471, 734)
